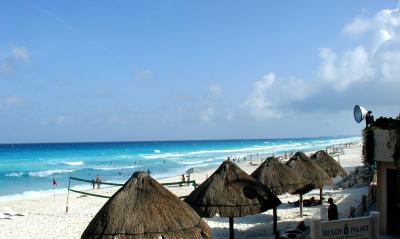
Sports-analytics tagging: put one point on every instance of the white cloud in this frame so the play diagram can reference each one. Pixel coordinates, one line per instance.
(357, 27)
(207, 114)
(143, 75)
(351, 67)
(215, 89)
(271, 95)
(17, 54)
(328, 67)
(381, 27)
(257, 103)
(20, 53)
(11, 102)
(390, 69)
(230, 116)
(60, 119)
(296, 89)
(376, 59)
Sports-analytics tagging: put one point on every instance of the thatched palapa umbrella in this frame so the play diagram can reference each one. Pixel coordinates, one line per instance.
(314, 175)
(329, 164)
(279, 178)
(144, 209)
(231, 192)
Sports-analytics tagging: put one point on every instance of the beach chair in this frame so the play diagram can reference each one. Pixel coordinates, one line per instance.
(3, 216)
(9, 212)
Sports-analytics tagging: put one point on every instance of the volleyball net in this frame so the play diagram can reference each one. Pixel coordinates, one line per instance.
(93, 183)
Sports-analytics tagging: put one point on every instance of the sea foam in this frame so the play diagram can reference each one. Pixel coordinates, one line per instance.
(42, 193)
(73, 163)
(46, 173)
(14, 174)
(115, 168)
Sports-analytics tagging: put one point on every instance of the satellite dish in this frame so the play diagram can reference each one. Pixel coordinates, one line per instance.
(359, 113)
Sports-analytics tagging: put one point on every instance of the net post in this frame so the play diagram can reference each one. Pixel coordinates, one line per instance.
(69, 184)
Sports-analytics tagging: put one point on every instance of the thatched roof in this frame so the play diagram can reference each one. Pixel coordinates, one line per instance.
(329, 164)
(231, 192)
(309, 170)
(144, 209)
(278, 177)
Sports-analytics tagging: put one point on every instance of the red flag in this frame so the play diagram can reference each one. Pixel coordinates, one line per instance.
(54, 182)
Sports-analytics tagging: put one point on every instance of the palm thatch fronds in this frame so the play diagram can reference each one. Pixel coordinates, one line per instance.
(144, 209)
(278, 177)
(314, 175)
(231, 192)
(329, 164)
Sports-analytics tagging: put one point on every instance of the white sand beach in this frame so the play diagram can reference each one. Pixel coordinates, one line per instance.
(45, 218)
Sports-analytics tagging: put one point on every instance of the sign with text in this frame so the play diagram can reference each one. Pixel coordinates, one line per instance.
(355, 228)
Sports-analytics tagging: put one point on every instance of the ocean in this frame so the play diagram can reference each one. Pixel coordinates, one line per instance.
(27, 170)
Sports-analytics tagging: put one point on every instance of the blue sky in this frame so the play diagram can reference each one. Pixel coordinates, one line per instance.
(167, 70)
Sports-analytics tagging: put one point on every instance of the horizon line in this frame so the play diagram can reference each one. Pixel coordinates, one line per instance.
(181, 140)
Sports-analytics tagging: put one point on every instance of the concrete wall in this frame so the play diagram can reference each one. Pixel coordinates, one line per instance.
(384, 144)
(381, 192)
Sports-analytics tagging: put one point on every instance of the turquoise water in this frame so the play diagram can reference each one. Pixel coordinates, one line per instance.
(27, 170)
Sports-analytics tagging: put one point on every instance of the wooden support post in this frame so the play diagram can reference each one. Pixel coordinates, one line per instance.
(275, 219)
(301, 205)
(320, 196)
(231, 232)
(69, 185)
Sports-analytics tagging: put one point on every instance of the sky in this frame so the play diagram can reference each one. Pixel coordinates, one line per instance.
(75, 71)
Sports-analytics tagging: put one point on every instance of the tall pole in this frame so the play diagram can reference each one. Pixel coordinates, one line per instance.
(301, 205)
(69, 184)
(231, 232)
(275, 219)
(320, 196)
(54, 190)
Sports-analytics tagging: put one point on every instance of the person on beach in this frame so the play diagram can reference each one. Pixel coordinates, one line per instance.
(277, 235)
(98, 181)
(312, 202)
(301, 226)
(332, 210)
(306, 202)
(352, 213)
(93, 183)
(183, 178)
